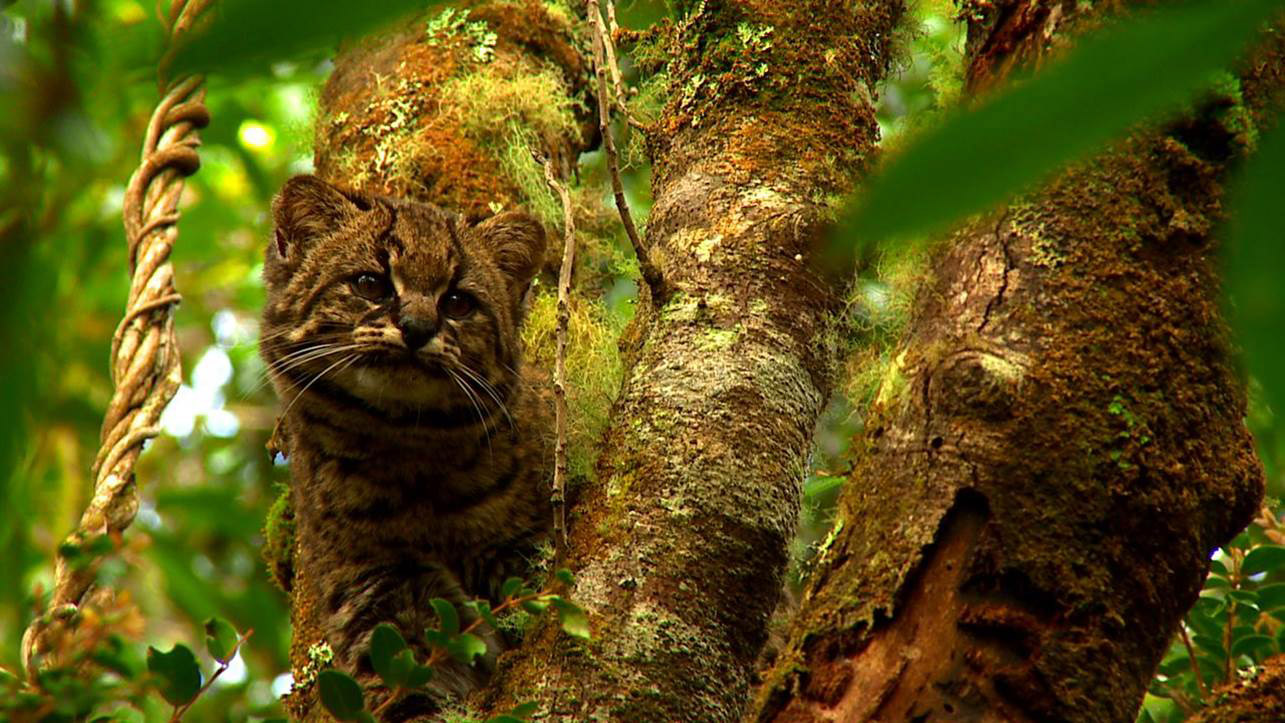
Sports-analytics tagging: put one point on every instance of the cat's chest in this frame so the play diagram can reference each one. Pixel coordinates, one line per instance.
(421, 500)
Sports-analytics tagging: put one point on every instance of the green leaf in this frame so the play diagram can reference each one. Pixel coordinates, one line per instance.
(510, 587)
(1128, 73)
(565, 576)
(1263, 558)
(180, 676)
(1214, 582)
(249, 35)
(1210, 645)
(340, 694)
(385, 643)
(418, 676)
(1272, 597)
(447, 615)
(574, 620)
(535, 607)
(1255, 262)
(1216, 567)
(465, 647)
(525, 710)
(483, 610)
(220, 639)
(436, 638)
(400, 669)
(1255, 646)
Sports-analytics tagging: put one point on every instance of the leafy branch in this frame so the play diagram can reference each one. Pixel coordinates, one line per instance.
(399, 672)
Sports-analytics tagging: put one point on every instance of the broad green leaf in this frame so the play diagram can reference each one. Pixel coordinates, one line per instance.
(565, 576)
(340, 694)
(247, 35)
(1126, 74)
(1262, 559)
(1244, 597)
(1272, 597)
(1216, 567)
(1255, 646)
(574, 620)
(1255, 266)
(448, 616)
(220, 639)
(385, 643)
(179, 675)
(1210, 645)
(465, 647)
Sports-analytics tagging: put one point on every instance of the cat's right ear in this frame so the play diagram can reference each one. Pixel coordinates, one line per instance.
(306, 208)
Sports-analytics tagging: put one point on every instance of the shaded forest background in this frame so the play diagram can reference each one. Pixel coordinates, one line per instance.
(76, 88)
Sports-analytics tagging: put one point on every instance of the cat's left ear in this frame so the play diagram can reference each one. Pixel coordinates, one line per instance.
(518, 242)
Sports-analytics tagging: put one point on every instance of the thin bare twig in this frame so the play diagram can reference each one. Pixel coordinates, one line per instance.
(651, 275)
(558, 499)
(1195, 667)
(145, 362)
(609, 45)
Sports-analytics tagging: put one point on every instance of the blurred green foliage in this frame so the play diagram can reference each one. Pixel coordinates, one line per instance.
(77, 84)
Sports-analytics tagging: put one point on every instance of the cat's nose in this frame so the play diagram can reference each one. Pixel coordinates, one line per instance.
(416, 330)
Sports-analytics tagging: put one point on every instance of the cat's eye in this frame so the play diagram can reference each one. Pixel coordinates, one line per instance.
(370, 287)
(457, 305)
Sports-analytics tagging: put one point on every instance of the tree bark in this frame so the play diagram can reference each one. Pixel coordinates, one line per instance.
(1055, 452)
(680, 548)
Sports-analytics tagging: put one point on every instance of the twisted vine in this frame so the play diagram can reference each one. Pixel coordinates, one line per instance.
(145, 366)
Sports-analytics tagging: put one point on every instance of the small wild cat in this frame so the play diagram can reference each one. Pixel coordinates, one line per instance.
(419, 451)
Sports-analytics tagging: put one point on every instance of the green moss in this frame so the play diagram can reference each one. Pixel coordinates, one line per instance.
(534, 109)
(593, 365)
(278, 536)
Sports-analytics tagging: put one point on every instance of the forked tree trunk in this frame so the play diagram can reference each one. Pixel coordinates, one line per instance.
(679, 549)
(1056, 452)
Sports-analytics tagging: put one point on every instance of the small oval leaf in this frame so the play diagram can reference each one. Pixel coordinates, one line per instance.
(220, 639)
(340, 694)
(447, 615)
(179, 675)
(385, 643)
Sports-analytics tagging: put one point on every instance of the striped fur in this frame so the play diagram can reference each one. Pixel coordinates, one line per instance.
(418, 473)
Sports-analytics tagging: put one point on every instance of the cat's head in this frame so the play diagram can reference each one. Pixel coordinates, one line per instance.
(399, 304)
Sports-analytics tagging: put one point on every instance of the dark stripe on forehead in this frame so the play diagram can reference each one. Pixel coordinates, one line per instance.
(390, 232)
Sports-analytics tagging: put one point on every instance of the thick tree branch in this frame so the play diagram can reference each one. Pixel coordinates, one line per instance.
(1057, 450)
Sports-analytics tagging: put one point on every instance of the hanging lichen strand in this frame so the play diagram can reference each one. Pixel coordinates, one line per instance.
(145, 358)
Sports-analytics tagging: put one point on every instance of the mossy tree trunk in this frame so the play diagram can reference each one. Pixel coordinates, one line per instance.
(680, 547)
(1056, 452)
